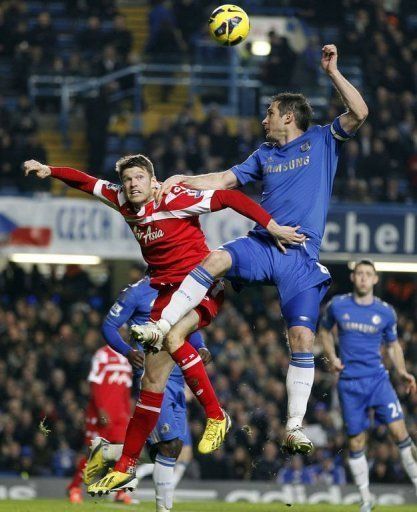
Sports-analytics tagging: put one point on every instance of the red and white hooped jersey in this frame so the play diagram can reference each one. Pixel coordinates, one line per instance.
(169, 233)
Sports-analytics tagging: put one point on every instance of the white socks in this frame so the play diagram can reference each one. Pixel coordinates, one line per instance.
(163, 477)
(408, 460)
(299, 382)
(189, 295)
(179, 471)
(112, 452)
(360, 473)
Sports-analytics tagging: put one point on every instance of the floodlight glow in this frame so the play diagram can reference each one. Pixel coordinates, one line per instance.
(261, 48)
(63, 259)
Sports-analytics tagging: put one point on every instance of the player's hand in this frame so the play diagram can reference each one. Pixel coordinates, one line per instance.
(410, 382)
(336, 365)
(167, 185)
(32, 166)
(285, 235)
(205, 355)
(103, 418)
(136, 358)
(329, 58)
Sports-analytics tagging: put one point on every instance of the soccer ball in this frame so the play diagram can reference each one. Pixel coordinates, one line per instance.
(229, 25)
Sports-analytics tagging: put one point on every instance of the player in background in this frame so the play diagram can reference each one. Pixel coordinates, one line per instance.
(172, 244)
(171, 434)
(362, 324)
(108, 410)
(297, 166)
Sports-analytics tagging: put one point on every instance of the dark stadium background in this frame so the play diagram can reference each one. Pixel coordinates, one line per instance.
(50, 315)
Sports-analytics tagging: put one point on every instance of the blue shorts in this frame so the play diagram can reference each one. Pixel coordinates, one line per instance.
(172, 422)
(358, 396)
(256, 259)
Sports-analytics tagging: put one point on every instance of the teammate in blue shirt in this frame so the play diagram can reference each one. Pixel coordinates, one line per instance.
(297, 166)
(132, 307)
(363, 324)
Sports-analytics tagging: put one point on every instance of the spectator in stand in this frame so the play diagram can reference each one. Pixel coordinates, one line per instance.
(43, 34)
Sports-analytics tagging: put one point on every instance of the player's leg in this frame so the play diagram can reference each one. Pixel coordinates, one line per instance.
(163, 473)
(354, 398)
(359, 468)
(301, 314)
(158, 368)
(192, 367)
(183, 461)
(388, 411)
(408, 450)
(74, 491)
(192, 291)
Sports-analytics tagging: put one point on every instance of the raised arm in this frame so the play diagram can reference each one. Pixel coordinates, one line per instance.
(328, 342)
(357, 110)
(213, 181)
(396, 355)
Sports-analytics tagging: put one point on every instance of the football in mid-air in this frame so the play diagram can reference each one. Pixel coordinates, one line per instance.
(229, 25)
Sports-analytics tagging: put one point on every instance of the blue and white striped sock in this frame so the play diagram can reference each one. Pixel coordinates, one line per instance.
(163, 478)
(300, 379)
(188, 296)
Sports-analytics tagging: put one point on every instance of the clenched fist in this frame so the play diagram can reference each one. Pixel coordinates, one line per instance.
(41, 170)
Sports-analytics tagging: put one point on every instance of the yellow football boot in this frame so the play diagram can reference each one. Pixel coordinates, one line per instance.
(214, 434)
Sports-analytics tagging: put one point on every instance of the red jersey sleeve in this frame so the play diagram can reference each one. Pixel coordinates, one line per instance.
(184, 202)
(109, 193)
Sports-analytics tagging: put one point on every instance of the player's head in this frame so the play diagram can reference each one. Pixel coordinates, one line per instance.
(287, 111)
(364, 277)
(137, 175)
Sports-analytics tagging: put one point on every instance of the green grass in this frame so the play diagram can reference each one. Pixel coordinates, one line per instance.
(212, 506)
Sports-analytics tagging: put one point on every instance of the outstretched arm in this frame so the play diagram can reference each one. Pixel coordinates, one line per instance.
(357, 110)
(213, 181)
(396, 355)
(75, 179)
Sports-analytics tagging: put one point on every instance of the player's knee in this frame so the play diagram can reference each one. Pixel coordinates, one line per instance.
(357, 443)
(217, 263)
(170, 448)
(152, 381)
(301, 339)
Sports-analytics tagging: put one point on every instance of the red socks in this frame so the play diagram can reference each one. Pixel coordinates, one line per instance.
(192, 367)
(78, 475)
(140, 426)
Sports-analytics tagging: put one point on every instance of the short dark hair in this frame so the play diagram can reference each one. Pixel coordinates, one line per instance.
(297, 104)
(364, 261)
(142, 161)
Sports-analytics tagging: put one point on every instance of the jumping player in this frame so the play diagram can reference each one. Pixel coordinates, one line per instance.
(171, 433)
(172, 244)
(363, 323)
(297, 166)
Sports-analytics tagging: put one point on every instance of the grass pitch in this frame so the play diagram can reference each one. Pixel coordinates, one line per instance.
(211, 506)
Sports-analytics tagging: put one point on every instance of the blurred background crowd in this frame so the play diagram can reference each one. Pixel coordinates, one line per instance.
(50, 327)
(377, 43)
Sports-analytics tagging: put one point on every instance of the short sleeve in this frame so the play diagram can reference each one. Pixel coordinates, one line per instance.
(109, 193)
(390, 330)
(250, 170)
(328, 319)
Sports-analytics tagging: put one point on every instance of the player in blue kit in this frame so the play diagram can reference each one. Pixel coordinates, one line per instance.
(297, 166)
(132, 307)
(363, 324)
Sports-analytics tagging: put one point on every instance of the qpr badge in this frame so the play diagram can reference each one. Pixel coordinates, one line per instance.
(306, 146)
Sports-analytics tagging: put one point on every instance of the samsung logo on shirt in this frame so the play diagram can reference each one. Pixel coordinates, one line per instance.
(295, 163)
(356, 326)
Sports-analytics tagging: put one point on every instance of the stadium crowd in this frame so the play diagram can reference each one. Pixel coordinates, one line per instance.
(50, 327)
(380, 38)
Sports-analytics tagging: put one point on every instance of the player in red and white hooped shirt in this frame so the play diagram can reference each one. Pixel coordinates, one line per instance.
(108, 410)
(172, 244)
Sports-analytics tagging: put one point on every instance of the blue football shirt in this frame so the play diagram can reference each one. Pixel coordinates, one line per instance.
(133, 307)
(297, 179)
(361, 330)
